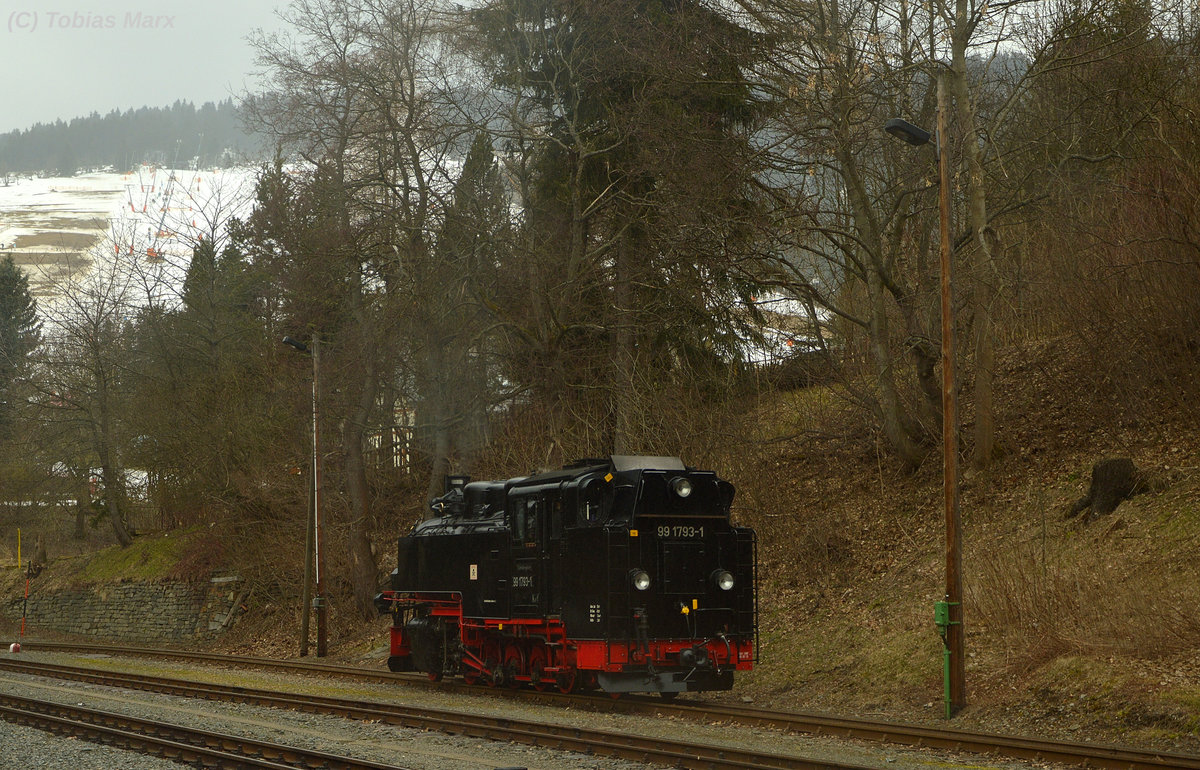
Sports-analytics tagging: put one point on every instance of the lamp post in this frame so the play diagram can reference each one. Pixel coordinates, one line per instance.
(313, 561)
(949, 612)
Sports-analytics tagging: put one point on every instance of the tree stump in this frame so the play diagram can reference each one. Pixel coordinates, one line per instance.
(38, 562)
(1113, 480)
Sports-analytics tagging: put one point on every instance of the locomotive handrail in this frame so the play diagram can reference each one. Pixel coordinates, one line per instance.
(416, 599)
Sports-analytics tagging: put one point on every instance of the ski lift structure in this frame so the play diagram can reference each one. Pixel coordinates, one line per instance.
(167, 203)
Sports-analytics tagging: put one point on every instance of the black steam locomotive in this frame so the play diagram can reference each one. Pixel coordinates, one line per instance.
(623, 573)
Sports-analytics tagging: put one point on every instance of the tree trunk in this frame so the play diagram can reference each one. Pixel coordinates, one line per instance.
(82, 504)
(113, 500)
(983, 270)
(437, 409)
(440, 450)
(110, 474)
(81, 508)
(621, 399)
(364, 572)
(897, 426)
(892, 417)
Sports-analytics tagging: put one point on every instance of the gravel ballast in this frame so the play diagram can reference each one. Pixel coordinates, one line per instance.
(416, 749)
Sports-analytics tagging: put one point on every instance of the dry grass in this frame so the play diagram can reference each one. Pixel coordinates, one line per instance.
(70, 241)
(1125, 587)
(1073, 630)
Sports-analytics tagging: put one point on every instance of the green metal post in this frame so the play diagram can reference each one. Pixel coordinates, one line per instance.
(946, 681)
(941, 617)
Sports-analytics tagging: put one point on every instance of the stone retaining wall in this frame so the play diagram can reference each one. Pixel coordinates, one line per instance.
(136, 612)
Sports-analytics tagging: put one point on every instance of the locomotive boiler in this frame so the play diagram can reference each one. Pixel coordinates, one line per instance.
(624, 573)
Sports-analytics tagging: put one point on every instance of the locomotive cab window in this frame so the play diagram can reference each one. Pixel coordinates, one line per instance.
(595, 501)
(526, 520)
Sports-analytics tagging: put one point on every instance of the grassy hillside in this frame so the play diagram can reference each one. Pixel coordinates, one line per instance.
(175, 555)
(1072, 629)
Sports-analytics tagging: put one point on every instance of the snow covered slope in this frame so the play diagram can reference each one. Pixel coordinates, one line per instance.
(59, 228)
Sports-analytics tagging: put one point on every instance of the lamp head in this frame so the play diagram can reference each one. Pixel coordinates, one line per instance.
(905, 131)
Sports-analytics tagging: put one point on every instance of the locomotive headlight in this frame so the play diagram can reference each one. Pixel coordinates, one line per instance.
(640, 579)
(723, 579)
(682, 486)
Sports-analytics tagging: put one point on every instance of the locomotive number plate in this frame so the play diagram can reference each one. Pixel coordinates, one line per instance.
(680, 530)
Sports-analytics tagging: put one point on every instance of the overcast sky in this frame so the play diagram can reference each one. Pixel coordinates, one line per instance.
(68, 59)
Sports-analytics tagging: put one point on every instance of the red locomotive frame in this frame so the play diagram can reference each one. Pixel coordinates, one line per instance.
(537, 652)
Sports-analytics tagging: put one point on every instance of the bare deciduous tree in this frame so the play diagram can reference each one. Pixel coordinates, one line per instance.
(357, 94)
(82, 378)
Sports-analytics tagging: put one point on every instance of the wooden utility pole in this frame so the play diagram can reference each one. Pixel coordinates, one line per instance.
(313, 555)
(319, 602)
(948, 613)
(954, 632)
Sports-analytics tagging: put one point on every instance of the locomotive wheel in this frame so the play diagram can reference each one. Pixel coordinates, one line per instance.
(434, 676)
(566, 680)
(514, 664)
(491, 661)
(668, 695)
(537, 662)
(471, 676)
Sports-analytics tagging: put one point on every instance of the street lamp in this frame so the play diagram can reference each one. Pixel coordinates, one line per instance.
(313, 562)
(949, 612)
(905, 131)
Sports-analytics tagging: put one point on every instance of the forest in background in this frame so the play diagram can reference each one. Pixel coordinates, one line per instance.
(178, 136)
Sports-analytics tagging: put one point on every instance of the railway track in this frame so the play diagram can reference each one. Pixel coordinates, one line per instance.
(1035, 749)
(168, 740)
(942, 738)
(652, 750)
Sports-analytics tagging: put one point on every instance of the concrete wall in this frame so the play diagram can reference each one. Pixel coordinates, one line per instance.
(135, 612)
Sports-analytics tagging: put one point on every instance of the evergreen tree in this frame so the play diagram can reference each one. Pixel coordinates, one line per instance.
(19, 329)
(637, 183)
(453, 292)
(179, 135)
(209, 402)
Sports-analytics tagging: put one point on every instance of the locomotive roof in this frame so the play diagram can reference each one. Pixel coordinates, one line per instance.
(615, 463)
(481, 505)
(646, 463)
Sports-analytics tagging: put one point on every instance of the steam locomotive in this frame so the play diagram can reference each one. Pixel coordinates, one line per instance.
(621, 573)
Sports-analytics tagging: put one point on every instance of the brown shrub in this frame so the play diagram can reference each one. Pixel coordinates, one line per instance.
(1084, 596)
(1123, 277)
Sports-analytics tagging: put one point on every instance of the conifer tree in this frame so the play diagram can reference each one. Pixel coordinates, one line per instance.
(19, 329)
(633, 129)
(453, 297)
